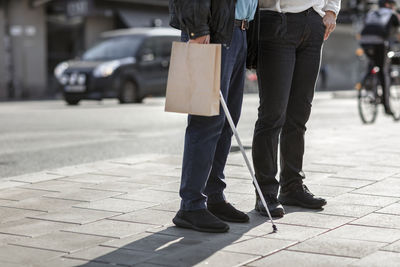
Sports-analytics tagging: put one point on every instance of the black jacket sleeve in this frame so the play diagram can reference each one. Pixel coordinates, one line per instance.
(193, 16)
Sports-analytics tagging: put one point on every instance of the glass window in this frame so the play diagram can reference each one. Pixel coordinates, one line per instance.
(114, 48)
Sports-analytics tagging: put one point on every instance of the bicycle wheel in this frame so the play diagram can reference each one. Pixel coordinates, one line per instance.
(367, 100)
(394, 100)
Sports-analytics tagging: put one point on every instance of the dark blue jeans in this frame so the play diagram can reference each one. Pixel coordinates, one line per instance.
(208, 139)
(288, 65)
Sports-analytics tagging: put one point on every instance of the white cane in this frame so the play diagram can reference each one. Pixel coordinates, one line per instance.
(229, 117)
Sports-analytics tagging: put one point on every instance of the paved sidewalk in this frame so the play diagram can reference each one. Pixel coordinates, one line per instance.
(119, 212)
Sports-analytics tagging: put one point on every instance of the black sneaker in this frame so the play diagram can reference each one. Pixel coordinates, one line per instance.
(226, 212)
(200, 220)
(297, 194)
(274, 207)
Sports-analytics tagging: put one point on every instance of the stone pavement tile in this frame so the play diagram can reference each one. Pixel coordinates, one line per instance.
(229, 237)
(26, 256)
(80, 194)
(150, 179)
(328, 191)
(10, 264)
(83, 168)
(7, 203)
(241, 188)
(6, 239)
(301, 259)
(151, 196)
(394, 247)
(75, 215)
(379, 220)
(389, 187)
(363, 174)
(345, 209)
(112, 255)
(147, 216)
(366, 233)
(170, 160)
(338, 247)
(116, 205)
(10, 184)
(35, 177)
(379, 259)
(322, 168)
(32, 227)
(130, 171)
(62, 242)
(65, 262)
(339, 182)
(314, 219)
(116, 186)
(43, 204)
(291, 232)
(21, 193)
(173, 206)
(138, 159)
(393, 209)
(11, 214)
(91, 178)
(153, 243)
(109, 228)
(203, 257)
(55, 185)
(361, 199)
(172, 187)
(259, 246)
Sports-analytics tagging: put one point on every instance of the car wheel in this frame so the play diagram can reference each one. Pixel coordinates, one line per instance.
(129, 93)
(72, 100)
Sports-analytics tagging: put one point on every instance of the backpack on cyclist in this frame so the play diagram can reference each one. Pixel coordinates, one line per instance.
(378, 23)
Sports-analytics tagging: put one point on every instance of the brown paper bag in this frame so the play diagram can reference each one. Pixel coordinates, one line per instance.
(194, 79)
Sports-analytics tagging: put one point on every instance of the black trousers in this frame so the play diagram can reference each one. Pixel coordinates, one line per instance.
(288, 65)
(377, 53)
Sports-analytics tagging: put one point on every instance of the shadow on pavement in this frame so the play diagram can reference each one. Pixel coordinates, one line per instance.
(173, 246)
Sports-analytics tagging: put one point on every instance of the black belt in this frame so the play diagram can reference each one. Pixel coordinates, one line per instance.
(242, 24)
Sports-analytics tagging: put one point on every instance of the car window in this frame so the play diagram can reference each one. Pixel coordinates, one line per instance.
(114, 48)
(166, 45)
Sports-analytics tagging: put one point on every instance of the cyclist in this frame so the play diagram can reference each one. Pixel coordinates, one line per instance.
(379, 33)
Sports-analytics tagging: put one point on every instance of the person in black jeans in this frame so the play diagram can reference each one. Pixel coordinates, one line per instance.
(288, 65)
(208, 139)
(379, 33)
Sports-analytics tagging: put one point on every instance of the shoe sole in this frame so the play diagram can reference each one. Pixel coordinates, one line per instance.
(293, 202)
(185, 224)
(275, 214)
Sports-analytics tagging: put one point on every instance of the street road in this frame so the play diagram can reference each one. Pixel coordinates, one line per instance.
(39, 135)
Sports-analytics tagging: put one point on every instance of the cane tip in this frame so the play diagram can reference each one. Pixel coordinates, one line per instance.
(275, 228)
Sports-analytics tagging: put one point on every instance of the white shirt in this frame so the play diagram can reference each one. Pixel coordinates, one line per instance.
(297, 6)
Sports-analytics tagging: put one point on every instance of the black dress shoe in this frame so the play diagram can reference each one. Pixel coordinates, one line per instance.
(297, 194)
(200, 220)
(274, 207)
(226, 212)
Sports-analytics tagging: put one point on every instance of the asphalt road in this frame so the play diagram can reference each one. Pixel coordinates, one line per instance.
(39, 135)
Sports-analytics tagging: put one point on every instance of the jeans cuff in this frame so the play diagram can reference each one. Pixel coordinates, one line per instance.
(193, 206)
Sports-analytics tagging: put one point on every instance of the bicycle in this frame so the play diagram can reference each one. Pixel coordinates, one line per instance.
(370, 93)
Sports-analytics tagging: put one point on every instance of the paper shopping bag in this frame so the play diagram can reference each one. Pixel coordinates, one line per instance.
(194, 79)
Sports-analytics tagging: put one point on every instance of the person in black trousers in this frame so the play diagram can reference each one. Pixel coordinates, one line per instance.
(289, 54)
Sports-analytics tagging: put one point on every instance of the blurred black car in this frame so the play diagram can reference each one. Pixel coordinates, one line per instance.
(126, 64)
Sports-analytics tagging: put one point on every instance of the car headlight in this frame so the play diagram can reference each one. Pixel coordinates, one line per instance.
(106, 69)
(60, 69)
